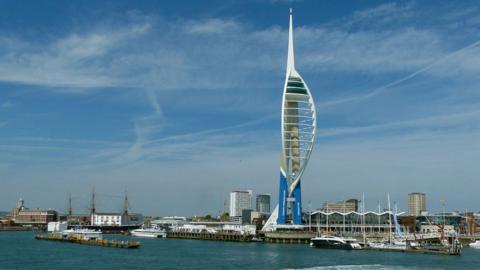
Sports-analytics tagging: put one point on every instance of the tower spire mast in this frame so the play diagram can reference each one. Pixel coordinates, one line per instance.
(291, 55)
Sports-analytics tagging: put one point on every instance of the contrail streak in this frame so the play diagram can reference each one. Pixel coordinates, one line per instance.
(382, 89)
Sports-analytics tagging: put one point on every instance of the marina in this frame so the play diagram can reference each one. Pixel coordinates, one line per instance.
(193, 254)
(387, 92)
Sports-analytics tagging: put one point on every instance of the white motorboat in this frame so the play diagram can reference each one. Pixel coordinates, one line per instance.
(475, 244)
(335, 242)
(394, 245)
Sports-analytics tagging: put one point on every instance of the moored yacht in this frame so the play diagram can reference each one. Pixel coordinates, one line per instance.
(335, 242)
(386, 245)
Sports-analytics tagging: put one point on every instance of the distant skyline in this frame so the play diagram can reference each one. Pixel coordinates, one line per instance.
(179, 101)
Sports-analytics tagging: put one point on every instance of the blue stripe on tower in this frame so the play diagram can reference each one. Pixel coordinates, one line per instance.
(282, 200)
(297, 205)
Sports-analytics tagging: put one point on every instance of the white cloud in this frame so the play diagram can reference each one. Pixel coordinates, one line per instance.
(72, 61)
(211, 26)
(211, 53)
(451, 121)
(217, 53)
(383, 13)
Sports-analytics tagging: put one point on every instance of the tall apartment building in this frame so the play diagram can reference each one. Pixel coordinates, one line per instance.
(416, 203)
(263, 203)
(240, 200)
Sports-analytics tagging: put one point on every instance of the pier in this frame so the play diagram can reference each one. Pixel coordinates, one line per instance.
(217, 236)
(289, 237)
(422, 250)
(93, 242)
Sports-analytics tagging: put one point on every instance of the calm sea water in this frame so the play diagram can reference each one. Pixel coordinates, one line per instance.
(18, 250)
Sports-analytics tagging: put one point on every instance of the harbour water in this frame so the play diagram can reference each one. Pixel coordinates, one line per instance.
(19, 250)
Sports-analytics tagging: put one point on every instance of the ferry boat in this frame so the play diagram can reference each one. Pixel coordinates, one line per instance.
(83, 234)
(335, 242)
(152, 232)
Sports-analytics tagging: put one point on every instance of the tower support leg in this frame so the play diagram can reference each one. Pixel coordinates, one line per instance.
(282, 200)
(297, 205)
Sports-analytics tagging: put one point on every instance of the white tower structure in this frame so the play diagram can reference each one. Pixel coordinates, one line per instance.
(298, 127)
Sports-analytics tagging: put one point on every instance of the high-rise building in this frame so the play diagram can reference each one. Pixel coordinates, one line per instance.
(239, 201)
(298, 120)
(263, 203)
(350, 205)
(416, 203)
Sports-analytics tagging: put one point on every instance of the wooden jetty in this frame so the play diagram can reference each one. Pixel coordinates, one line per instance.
(93, 242)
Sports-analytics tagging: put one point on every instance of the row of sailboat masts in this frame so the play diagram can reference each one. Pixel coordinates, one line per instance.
(363, 226)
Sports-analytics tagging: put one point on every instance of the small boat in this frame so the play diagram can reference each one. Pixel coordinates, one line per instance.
(475, 244)
(335, 242)
(152, 232)
(393, 245)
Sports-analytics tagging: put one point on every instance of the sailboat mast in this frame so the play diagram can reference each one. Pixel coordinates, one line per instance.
(389, 220)
(379, 217)
(344, 211)
(70, 211)
(328, 229)
(363, 218)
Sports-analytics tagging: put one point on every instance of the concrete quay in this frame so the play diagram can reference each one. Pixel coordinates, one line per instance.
(289, 237)
(218, 236)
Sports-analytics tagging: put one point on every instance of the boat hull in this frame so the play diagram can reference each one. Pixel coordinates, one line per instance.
(149, 235)
(331, 244)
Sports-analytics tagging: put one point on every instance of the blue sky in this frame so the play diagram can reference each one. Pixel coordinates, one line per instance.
(179, 102)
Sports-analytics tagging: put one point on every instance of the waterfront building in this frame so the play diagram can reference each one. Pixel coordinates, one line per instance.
(169, 222)
(449, 218)
(298, 128)
(471, 223)
(350, 205)
(353, 222)
(246, 216)
(416, 203)
(116, 219)
(240, 200)
(263, 203)
(24, 216)
(431, 228)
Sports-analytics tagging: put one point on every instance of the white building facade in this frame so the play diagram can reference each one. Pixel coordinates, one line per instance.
(115, 219)
(239, 201)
